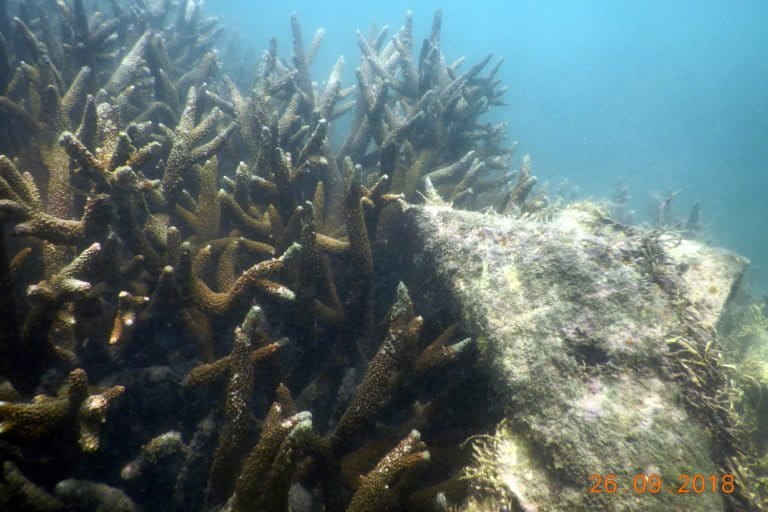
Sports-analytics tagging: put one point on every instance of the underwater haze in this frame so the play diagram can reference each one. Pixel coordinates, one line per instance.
(669, 96)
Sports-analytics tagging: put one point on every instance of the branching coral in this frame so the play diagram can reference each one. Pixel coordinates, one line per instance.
(236, 405)
(76, 413)
(374, 486)
(443, 108)
(153, 203)
(396, 352)
(187, 144)
(265, 466)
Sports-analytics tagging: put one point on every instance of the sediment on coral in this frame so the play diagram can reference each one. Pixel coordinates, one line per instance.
(194, 316)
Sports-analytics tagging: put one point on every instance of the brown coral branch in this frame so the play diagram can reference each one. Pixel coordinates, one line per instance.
(237, 401)
(375, 490)
(187, 148)
(76, 413)
(381, 378)
(251, 489)
(218, 303)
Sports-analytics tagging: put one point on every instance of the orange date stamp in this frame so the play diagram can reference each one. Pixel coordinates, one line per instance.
(653, 483)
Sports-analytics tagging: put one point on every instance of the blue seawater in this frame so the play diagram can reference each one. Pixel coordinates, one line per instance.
(667, 95)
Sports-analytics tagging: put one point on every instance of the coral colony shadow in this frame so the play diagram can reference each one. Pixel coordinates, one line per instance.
(203, 297)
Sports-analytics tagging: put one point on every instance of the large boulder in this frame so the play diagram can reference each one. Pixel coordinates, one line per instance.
(599, 340)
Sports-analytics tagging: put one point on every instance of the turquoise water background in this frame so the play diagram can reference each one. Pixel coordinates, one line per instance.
(668, 95)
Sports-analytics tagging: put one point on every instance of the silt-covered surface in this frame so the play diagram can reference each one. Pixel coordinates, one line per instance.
(574, 320)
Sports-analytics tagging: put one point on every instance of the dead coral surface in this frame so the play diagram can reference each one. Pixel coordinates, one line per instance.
(600, 342)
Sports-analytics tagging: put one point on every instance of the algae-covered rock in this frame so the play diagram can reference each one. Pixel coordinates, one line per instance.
(599, 340)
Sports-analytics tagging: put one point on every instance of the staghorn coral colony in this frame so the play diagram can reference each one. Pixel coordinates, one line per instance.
(193, 317)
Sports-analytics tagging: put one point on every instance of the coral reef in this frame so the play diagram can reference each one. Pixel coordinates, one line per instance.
(198, 303)
(152, 205)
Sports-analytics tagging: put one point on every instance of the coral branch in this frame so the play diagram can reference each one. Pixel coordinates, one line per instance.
(76, 413)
